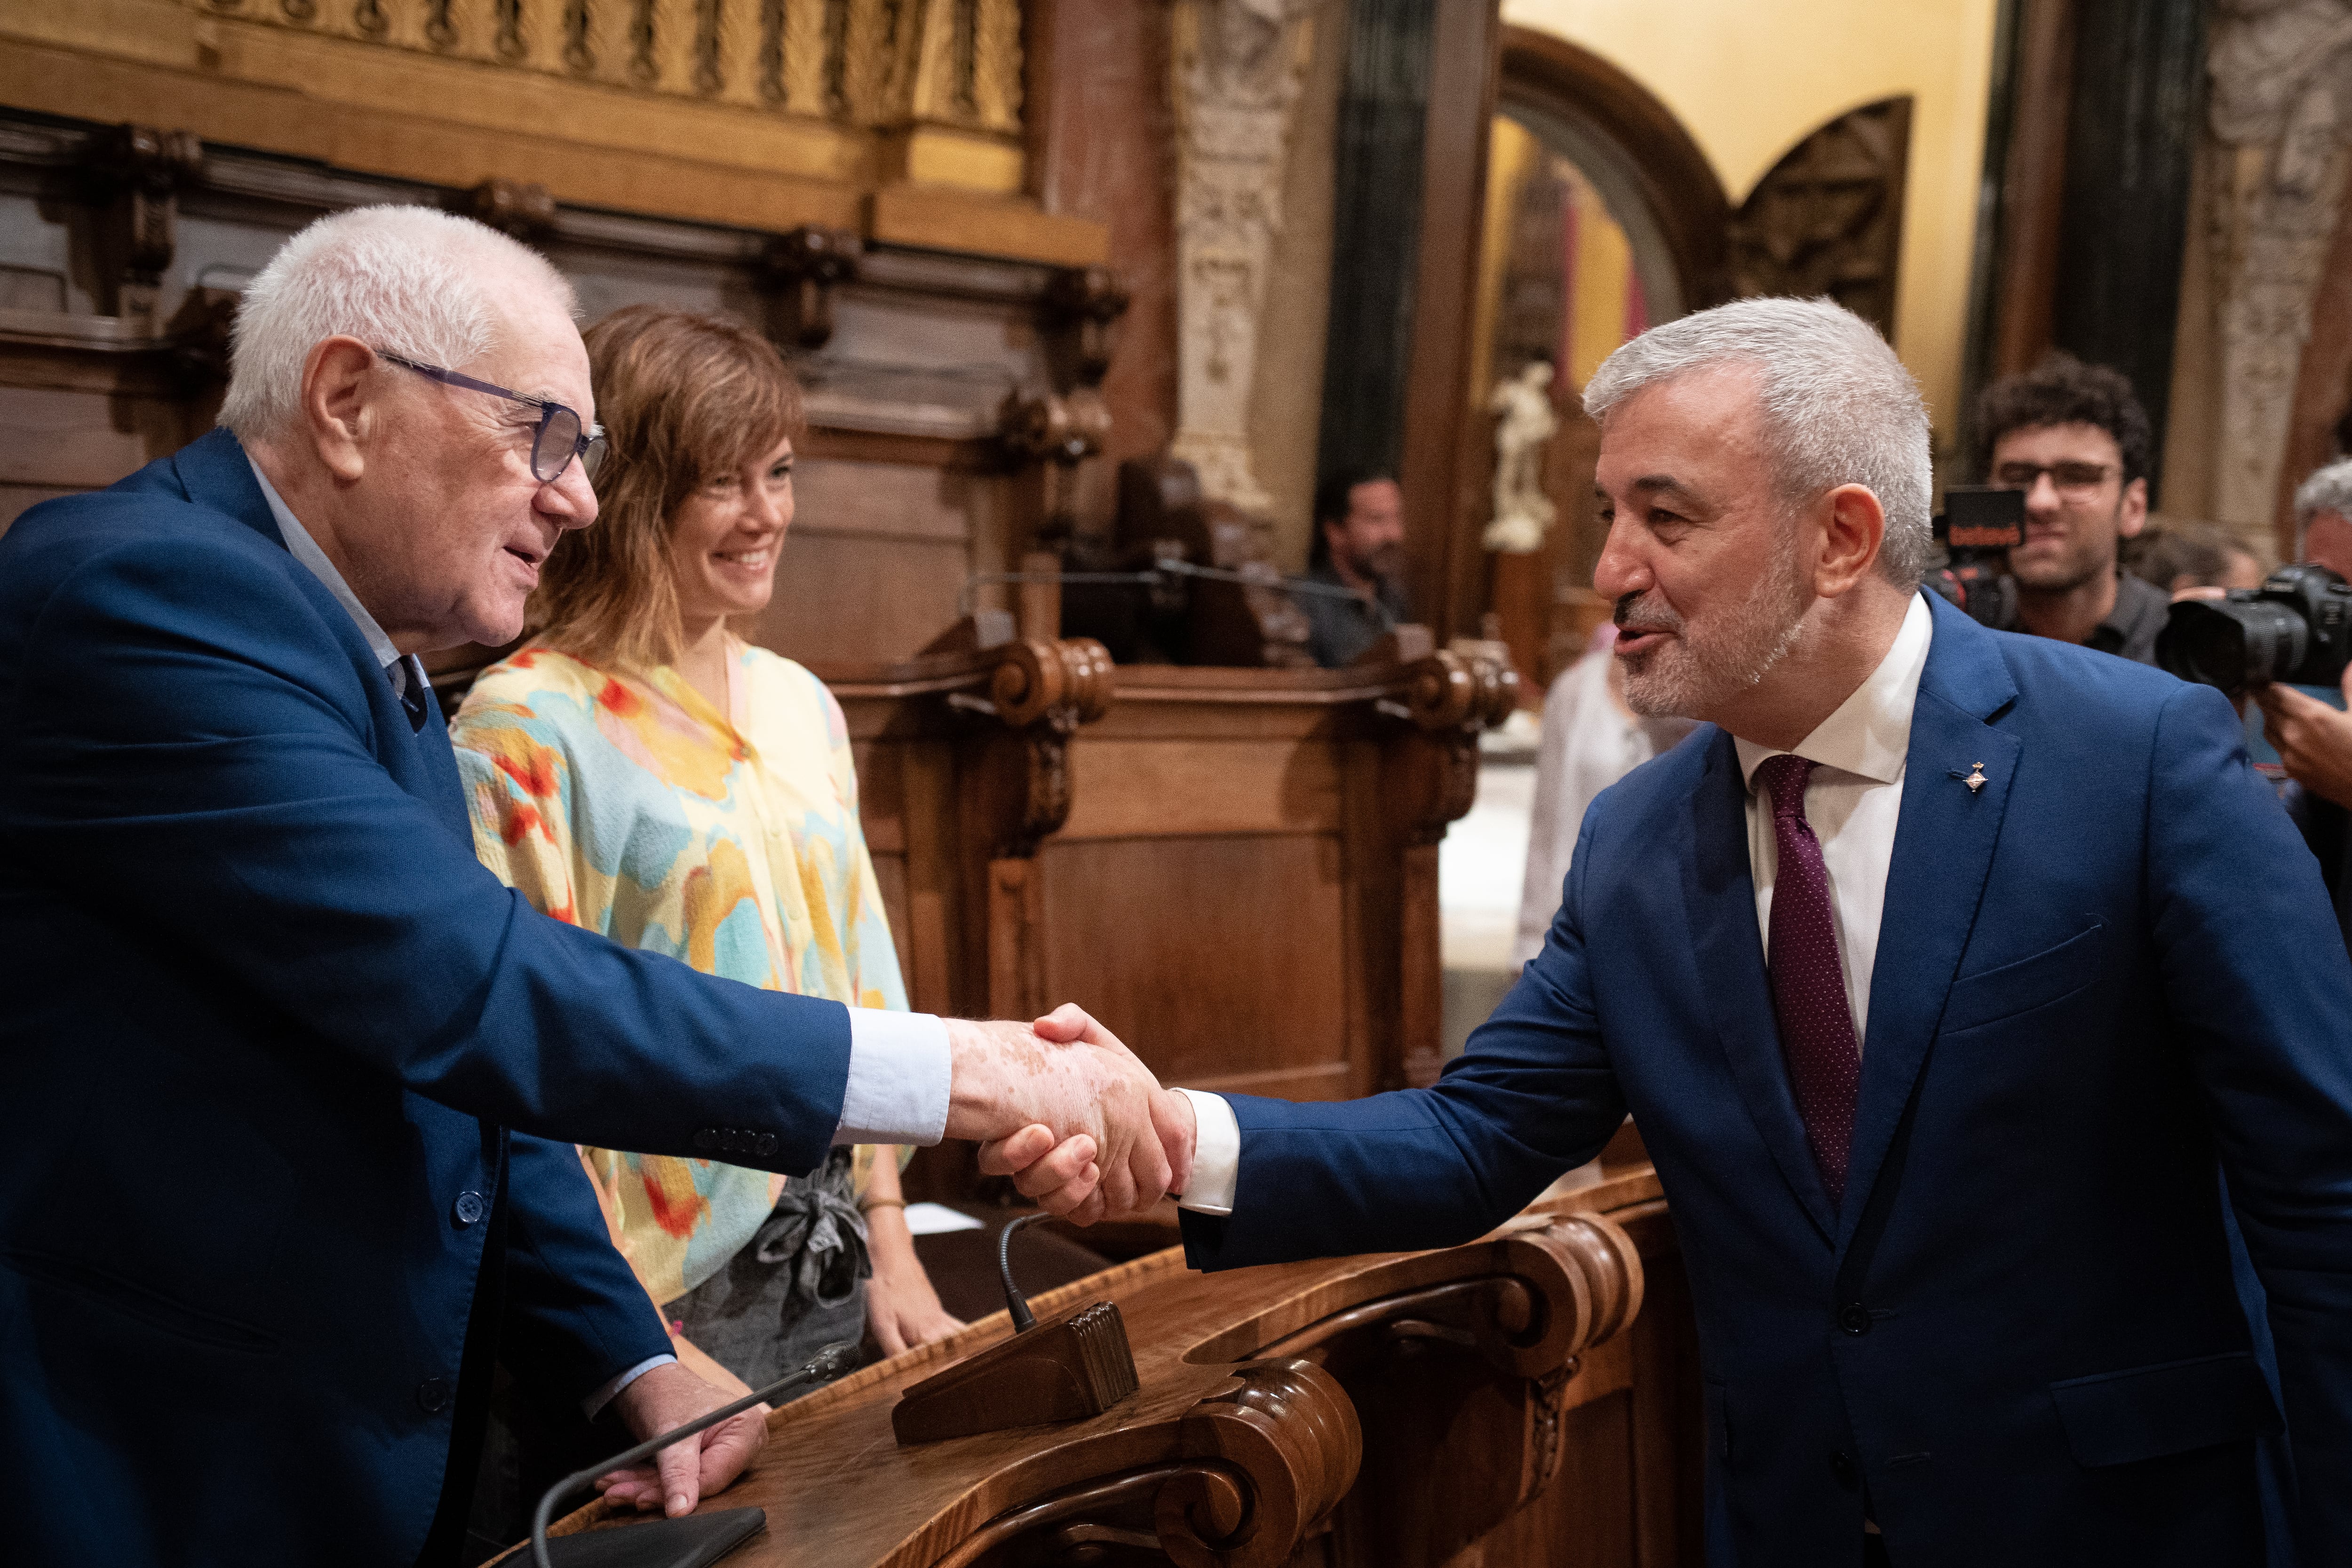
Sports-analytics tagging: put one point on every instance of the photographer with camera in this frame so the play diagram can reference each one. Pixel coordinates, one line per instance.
(2074, 438)
(2314, 739)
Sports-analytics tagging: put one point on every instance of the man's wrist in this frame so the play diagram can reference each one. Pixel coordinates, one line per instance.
(1216, 1155)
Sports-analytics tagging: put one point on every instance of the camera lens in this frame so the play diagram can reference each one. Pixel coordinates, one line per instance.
(2232, 644)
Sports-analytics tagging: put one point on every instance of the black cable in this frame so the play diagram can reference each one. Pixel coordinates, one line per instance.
(829, 1362)
(1014, 1302)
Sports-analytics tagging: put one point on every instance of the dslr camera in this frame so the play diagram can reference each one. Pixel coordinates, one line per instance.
(2296, 628)
(1977, 527)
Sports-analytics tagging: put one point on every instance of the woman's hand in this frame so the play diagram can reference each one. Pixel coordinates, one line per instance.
(901, 1308)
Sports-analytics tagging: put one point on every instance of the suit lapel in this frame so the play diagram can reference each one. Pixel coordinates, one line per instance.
(1719, 895)
(1944, 841)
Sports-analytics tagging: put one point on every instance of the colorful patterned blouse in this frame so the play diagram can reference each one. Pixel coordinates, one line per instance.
(627, 804)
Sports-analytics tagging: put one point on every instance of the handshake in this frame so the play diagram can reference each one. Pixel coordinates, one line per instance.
(1066, 1109)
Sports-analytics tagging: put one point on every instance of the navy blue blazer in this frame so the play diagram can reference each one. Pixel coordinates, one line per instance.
(275, 1049)
(2108, 971)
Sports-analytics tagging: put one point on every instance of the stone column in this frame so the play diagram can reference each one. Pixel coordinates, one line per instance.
(2280, 115)
(1237, 68)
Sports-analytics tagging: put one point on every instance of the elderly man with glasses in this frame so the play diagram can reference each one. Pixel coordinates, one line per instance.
(291, 1077)
(2076, 439)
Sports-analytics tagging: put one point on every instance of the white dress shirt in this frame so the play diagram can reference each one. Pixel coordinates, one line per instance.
(901, 1070)
(1852, 803)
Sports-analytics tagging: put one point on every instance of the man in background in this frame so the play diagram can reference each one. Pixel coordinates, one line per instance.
(2314, 739)
(1360, 555)
(2323, 519)
(2076, 439)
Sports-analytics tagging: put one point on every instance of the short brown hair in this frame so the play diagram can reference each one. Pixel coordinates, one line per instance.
(683, 398)
(2062, 390)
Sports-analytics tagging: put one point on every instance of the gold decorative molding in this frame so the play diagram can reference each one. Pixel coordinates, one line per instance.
(758, 114)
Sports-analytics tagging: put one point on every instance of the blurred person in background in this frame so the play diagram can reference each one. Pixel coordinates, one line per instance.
(1591, 740)
(1359, 548)
(2193, 560)
(2076, 439)
(2312, 736)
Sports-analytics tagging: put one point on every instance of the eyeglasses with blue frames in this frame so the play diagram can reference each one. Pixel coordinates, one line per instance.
(560, 438)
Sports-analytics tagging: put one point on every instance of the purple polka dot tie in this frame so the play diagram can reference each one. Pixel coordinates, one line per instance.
(1808, 983)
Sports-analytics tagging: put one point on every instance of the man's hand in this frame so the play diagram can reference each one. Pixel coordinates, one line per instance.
(684, 1472)
(1017, 1089)
(1060, 1179)
(2314, 740)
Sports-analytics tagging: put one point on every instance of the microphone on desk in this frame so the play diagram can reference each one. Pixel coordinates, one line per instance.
(1015, 1303)
(831, 1362)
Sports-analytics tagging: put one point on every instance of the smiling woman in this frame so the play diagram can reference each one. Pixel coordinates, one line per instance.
(638, 769)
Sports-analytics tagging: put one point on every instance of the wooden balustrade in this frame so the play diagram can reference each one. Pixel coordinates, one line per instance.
(884, 63)
(1509, 1399)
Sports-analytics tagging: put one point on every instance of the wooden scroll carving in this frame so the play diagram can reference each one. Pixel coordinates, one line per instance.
(1358, 1411)
(520, 208)
(1828, 219)
(1082, 305)
(1052, 434)
(136, 172)
(1041, 692)
(801, 269)
(1450, 697)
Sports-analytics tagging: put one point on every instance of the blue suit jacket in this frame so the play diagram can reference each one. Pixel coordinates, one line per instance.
(2104, 974)
(275, 1046)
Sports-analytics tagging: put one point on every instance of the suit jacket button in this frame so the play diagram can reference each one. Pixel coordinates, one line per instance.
(764, 1145)
(433, 1394)
(471, 1208)
(730, 1140)
(706, 1138)
(1853, 1318)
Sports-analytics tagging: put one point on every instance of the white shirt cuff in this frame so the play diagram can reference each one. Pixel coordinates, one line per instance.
(1216, 1154)
(603, 1396)
(899, 1074)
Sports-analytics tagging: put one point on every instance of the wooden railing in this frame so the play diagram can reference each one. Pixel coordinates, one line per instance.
(877, 63)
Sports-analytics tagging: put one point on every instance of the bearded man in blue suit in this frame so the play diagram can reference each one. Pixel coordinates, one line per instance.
(290, 1078)
(1945, 973)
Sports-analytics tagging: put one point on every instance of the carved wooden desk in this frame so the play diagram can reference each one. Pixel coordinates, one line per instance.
(1403, 1409)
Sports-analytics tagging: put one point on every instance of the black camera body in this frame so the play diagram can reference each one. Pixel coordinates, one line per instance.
(2296, 628)
(1978, 526)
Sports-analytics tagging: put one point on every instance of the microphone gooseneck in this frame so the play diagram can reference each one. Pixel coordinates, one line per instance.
(829, 1362)
(1014, 1302)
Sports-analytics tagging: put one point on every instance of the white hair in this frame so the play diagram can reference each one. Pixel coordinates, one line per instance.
(1838, 406)
(412, 281)
(2329, 489)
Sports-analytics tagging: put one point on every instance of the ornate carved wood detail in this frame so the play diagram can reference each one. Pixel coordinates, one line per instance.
(1041, 692)
(1054, 433)
(2278, 116)
(520, 208)
(954, 63)
(1450, 697)
(1267, 1459)
(136, 173)
(1082, 306)
(802, 269)
(1828, 219)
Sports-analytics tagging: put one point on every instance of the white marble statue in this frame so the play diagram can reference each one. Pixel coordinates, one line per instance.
(1525, 427)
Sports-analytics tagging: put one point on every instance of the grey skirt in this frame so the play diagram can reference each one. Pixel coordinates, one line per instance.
(794, 1288)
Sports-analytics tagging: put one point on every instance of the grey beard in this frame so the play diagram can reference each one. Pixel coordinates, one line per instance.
(1703, 675)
